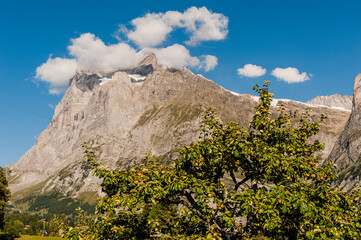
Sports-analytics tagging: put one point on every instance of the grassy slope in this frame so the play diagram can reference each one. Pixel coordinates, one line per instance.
(27, 237)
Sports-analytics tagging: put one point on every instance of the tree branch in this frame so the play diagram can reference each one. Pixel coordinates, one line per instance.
(194, 208)
(242, 182)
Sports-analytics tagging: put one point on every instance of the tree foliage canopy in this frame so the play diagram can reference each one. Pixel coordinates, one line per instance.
(234, 183)
(4, 195)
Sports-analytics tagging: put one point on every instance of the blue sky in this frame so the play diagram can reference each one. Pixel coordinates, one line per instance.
(319, 38)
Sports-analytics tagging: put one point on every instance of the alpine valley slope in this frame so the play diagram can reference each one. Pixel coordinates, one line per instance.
(125, 113)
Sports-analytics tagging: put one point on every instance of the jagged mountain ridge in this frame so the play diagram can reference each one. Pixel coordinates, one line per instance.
(334, 101)
(126, 112)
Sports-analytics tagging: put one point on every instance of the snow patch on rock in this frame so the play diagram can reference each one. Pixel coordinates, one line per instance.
(104, 81)
(137, 77)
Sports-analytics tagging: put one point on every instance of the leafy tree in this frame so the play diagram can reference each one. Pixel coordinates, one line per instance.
(14, 228)
(234, 183)
(57, 224)
(27, 219)
(4, 195)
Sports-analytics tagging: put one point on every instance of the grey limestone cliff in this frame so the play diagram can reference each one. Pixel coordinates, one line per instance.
(346, 153)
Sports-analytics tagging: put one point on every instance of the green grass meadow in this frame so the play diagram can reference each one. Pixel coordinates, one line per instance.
(28, 237)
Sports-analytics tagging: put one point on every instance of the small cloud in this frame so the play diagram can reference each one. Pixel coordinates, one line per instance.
(252, 71)
(122, 30)
(175, 56)
(57, 90)
(150, 30)
(209, 62)
(290, 75)
(203, 25)
(178, 56)
(51, 106)
(57, 72)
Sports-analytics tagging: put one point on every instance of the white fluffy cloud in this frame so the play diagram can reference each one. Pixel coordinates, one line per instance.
(204, 25)
(175, 56)
(150, 30)
(92, 54)
(290, 75)
(250, 70)
(57, 72)
(209, 62)
(200, 23)
(178, 56)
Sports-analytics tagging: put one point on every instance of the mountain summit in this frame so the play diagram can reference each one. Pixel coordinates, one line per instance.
(125, 113)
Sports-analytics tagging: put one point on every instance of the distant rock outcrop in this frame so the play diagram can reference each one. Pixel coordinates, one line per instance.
(346, 153)
(125, 113)
(334, 101)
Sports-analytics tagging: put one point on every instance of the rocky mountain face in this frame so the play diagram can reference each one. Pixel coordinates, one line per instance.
(125, 113)
(346, 153)
(336, 101)
(330, 129)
